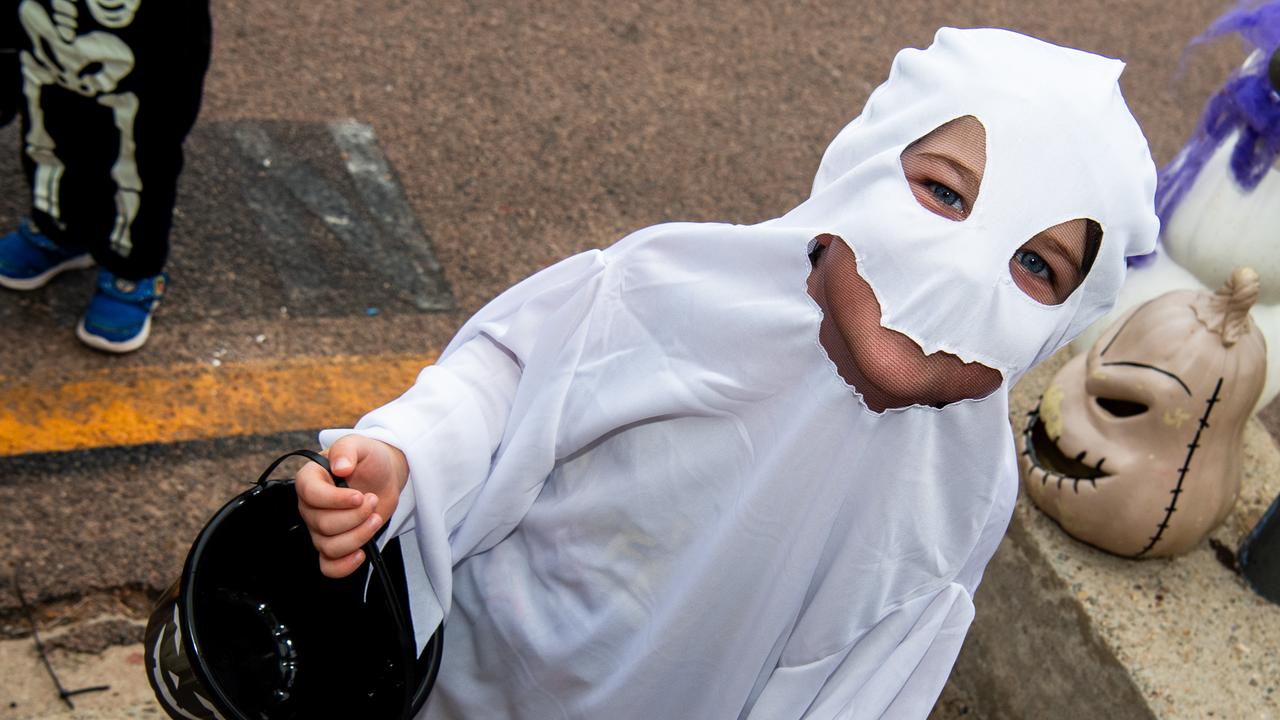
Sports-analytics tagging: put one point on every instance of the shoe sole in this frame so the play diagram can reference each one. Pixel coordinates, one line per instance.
(76, 263)
(98, 342)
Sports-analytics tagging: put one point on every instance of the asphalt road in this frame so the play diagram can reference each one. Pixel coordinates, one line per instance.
(518, 133)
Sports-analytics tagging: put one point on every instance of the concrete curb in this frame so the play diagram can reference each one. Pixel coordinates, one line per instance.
(1033, 651)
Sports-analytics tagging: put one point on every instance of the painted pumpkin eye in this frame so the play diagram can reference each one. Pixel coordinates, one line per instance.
(1121, 408)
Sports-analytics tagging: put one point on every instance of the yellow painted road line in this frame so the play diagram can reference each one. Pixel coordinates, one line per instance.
(196, 402)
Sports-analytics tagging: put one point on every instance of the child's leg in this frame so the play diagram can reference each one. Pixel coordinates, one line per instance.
(151, 112)
(102, 150)
(10, 79)
(123, 215)
(173, 56)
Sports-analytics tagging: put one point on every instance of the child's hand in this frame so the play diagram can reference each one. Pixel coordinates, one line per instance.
(342, 520)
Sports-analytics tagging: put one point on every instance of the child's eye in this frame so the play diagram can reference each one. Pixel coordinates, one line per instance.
(946, 196)
(1034, 264)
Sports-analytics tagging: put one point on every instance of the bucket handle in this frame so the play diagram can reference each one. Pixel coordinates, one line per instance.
(408, 657)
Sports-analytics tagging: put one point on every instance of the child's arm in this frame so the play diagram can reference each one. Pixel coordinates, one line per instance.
(448, 424)
(449, 428)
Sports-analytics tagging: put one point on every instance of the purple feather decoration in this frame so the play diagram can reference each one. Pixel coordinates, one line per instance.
(1247, 102)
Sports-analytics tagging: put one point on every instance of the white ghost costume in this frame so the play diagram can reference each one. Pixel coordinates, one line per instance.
(638, 486)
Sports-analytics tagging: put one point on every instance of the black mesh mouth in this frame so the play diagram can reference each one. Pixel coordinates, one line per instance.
(1044, 453)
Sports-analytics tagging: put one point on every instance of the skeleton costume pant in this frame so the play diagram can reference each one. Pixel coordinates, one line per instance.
(10, 79)
(111, 91)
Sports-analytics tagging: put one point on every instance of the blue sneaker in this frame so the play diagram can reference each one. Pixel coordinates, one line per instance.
(119, 316)
(29, 259)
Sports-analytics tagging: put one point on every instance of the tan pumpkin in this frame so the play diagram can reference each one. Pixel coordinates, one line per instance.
(1136, 445)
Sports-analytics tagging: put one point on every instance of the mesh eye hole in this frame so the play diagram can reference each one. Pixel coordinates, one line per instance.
(944, 167)
(1121, 408)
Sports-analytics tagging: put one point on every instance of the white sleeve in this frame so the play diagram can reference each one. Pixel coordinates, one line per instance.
(460, 404)
(455, 417)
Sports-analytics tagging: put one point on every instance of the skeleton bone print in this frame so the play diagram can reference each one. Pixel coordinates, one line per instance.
(92, 64)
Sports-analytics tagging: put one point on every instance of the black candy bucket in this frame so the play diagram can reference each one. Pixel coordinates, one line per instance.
(253, 631)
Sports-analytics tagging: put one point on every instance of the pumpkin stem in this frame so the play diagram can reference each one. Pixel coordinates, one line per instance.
(1226, 312)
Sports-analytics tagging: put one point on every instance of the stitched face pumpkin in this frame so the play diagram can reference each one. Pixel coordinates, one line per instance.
(1136, 445)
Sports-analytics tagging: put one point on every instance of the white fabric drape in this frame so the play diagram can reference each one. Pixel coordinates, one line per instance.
(639, 489)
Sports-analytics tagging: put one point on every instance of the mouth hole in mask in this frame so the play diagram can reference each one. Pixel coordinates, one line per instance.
(887, 368)
(1053, 263)
(1121, 408)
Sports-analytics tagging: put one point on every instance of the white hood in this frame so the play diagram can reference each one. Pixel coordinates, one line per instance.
(1061, 145)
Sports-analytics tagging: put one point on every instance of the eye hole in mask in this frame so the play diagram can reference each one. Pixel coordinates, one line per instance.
(944, 170)
(1051, 265)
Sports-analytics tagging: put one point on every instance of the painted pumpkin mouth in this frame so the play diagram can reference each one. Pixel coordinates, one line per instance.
(1043, 454)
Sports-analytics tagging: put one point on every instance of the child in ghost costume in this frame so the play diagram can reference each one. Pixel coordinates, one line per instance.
(723, 471)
